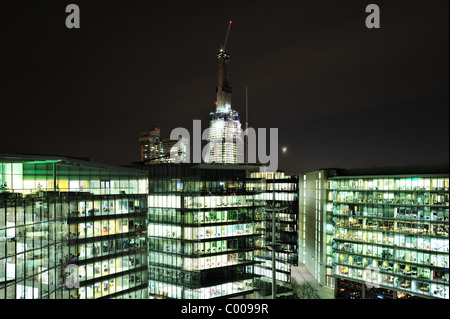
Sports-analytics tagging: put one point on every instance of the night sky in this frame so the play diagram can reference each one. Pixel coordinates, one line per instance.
(341, 95)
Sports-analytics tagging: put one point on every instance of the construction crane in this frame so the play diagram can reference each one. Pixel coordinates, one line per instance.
(226, 37)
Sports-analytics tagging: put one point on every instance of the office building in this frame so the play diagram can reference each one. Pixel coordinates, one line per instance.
(155, 150)
(281, 197)
(166, 147)
(201, 230)
(150, 143)
(71, 229)
(378, 233)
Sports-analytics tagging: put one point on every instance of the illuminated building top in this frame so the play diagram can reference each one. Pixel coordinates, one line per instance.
(225, 126)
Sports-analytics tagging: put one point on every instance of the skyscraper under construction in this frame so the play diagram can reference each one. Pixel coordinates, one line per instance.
(225, 135)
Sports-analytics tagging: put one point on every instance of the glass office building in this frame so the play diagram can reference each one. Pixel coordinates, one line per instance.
(281, 197)
(71, 228)
(202, 230)
(389, 232)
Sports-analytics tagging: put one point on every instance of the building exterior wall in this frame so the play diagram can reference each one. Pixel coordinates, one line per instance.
(385, 235)
(202, 231)
(281, 197)
(391, 232)
(71, 229)
(313, 225)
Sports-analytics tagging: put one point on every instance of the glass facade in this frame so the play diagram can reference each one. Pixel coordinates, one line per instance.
(281, 196)
(71, 229)
(225, 138)
(202, 234)
(391, 232)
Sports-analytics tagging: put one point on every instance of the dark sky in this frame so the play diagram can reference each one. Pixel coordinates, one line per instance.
(341, 95)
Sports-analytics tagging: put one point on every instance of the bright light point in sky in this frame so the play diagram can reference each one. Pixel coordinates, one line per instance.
(284, 149)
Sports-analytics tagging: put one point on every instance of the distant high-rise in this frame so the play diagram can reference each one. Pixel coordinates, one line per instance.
(225, 139)
(166, 146)
(150, 144)
(155, 150)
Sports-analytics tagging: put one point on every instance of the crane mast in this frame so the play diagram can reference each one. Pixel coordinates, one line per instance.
(226, 37)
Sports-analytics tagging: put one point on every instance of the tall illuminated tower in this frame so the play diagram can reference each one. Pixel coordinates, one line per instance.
(225, 137)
